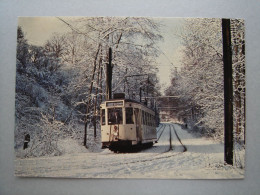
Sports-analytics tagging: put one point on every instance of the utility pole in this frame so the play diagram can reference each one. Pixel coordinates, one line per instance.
(228, 91)
(96, 98)
(109, 76)
(140, 94)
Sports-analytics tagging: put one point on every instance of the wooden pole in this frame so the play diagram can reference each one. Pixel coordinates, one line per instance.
(89, 98)
(109, 76)
(96, 100)
(228, 91)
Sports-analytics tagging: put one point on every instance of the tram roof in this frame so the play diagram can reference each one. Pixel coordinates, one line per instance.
(129, 100)
(126, 100)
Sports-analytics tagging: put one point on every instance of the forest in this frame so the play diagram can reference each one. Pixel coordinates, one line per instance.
(199, 85)
(60, 85)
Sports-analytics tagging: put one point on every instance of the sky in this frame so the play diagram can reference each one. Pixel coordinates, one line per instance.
(171, 49)
(39, 29)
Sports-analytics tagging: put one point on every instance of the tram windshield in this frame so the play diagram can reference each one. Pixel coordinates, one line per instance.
(115, 116)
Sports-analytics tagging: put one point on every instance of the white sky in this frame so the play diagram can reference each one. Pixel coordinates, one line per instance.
(171, 48)
(39, 29)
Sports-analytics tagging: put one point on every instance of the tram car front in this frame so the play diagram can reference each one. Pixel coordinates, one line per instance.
(126, 124)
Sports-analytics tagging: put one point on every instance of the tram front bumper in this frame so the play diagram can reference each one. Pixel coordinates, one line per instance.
(119, 144)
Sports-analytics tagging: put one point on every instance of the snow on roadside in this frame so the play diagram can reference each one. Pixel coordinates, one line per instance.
(204, 159)
(70, 146)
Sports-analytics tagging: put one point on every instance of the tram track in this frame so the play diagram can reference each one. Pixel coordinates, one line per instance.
(165, 147)
(159, 128)
(184, 147)
(162, 130)
(171, 145)
(170, 139)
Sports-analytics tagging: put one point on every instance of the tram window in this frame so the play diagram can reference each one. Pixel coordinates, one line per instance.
(129, 115)
(146, 118)
(103, 117)
(144, 122)
(142, 117)
(115, 116)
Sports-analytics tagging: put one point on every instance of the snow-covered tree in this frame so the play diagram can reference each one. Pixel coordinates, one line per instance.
(40, 84)
(62, 82)
(132, 42)
(238, 60)
(200, 82)
(238, 73)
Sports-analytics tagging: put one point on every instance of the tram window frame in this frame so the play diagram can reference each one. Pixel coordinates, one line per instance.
(111, 117)
(142, 117)
(146, 118)
(129, 116)
(149, 119)
(103, 116)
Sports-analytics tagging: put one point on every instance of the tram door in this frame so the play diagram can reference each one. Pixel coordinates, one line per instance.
(137, 115)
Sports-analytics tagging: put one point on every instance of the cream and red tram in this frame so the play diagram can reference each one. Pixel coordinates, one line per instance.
(126, 123)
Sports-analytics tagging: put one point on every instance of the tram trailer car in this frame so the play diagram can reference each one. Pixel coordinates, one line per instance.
(126, 124)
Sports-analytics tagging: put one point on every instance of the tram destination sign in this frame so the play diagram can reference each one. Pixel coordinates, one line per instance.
(118, 103)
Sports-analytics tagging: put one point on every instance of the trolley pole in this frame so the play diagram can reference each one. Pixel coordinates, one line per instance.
(109, 76)
(228, 91)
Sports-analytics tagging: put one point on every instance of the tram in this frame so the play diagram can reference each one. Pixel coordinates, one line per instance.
(126, 124)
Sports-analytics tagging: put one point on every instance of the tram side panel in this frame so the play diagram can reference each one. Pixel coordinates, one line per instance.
(148, 134)
(148, 127)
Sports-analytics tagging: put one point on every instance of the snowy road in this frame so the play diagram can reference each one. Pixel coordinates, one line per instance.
(203, 159)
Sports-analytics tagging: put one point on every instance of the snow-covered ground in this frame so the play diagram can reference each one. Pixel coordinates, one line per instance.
(204, 159)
